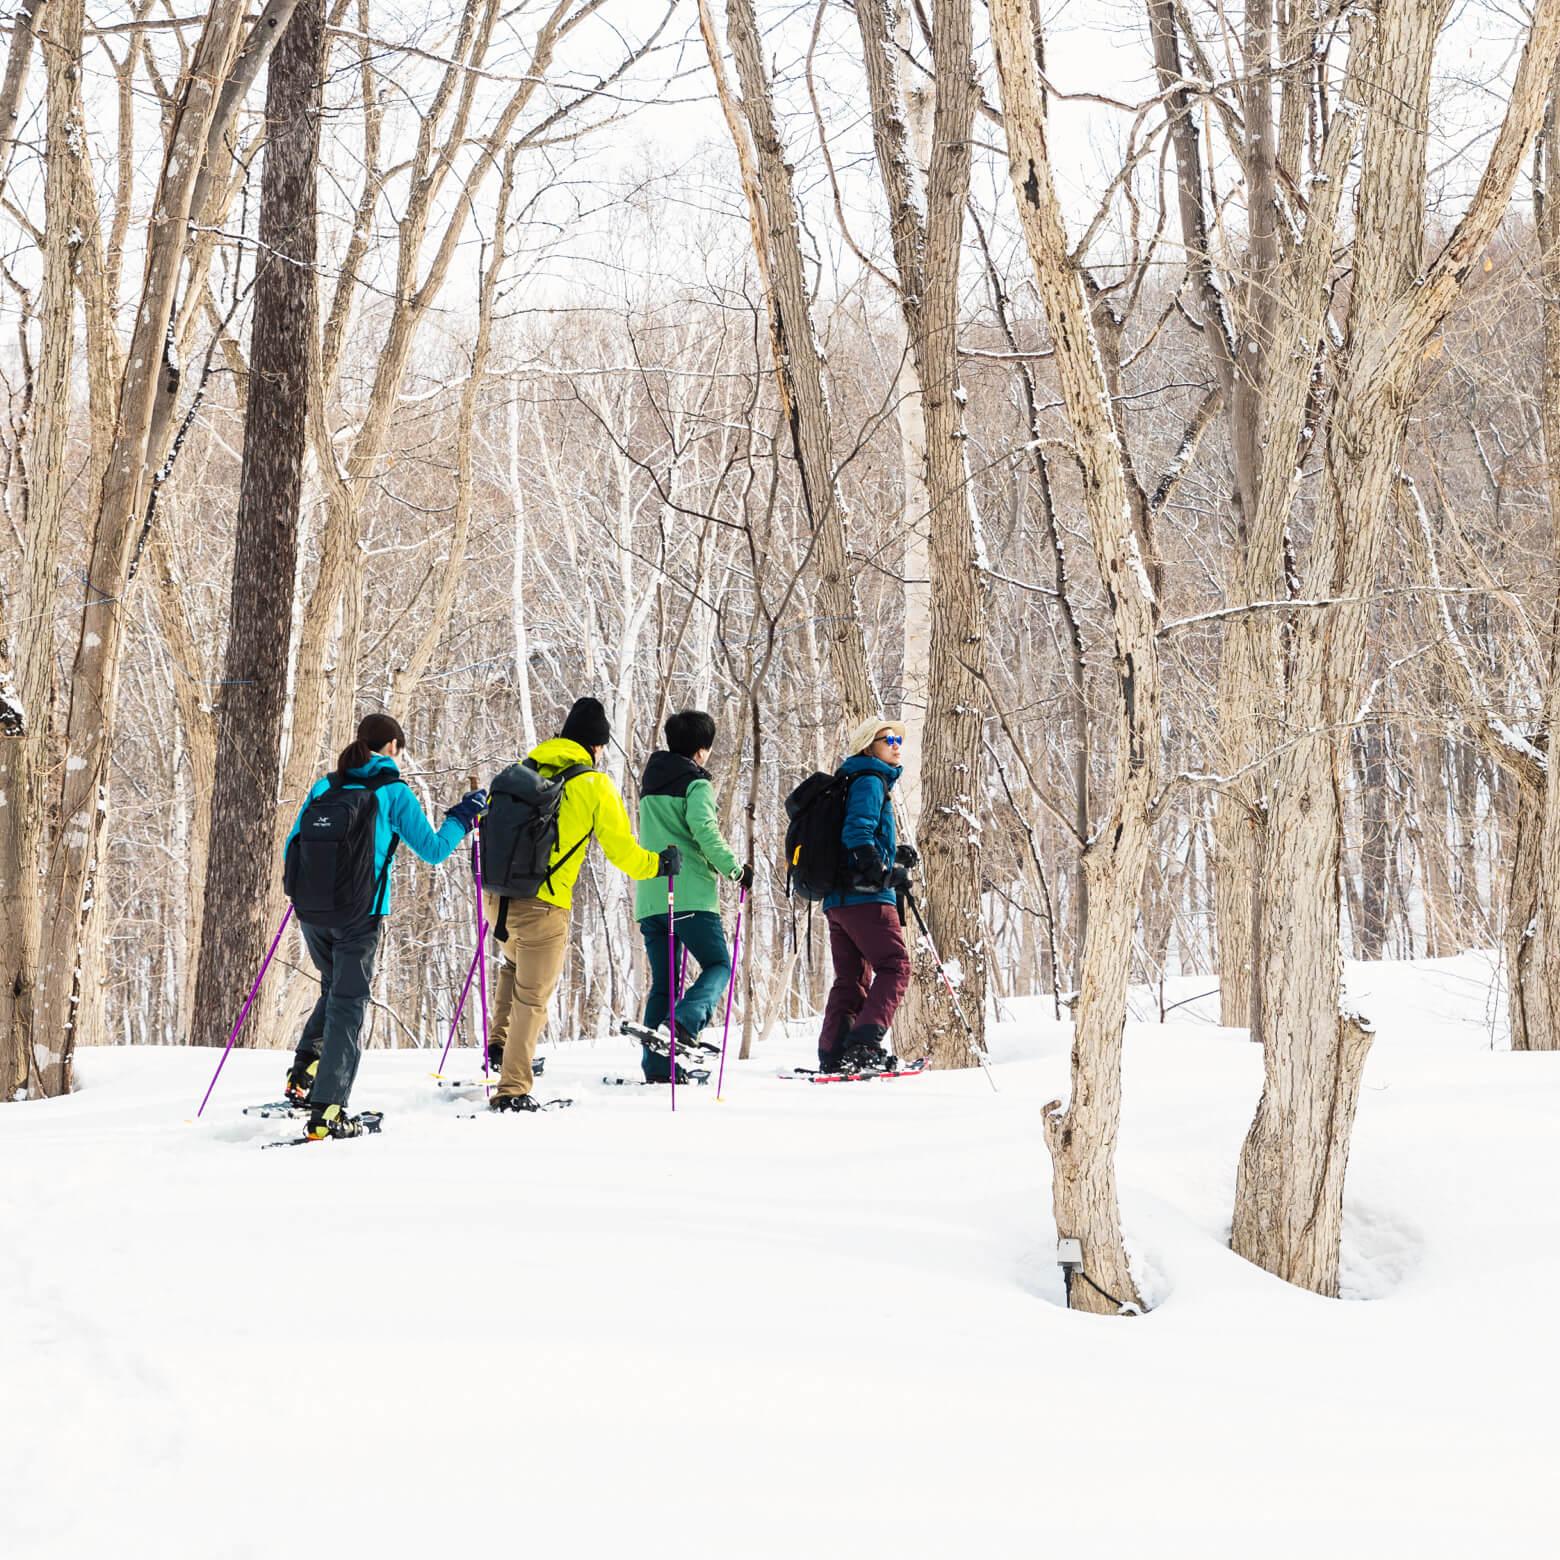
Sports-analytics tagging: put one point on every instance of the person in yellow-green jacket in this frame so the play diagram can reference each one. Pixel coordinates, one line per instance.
(532, 932)
(677, 807)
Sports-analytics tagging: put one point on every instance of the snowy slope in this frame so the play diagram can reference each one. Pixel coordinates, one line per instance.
(802, 1321)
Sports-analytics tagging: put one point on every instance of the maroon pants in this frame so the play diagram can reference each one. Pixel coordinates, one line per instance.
(871, 971)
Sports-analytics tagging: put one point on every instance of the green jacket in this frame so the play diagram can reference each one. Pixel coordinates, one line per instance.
(677, 807)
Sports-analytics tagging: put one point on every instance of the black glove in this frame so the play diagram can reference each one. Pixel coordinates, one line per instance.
(468, 809)
(899, 880)
(671, 862)
(745, 877)
(907, 856)
(866, 870)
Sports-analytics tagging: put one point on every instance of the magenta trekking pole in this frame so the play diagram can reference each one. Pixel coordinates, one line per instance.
(731, 986)
(476, 866)
(671, 964)
(245, 1014)
(460, 1007)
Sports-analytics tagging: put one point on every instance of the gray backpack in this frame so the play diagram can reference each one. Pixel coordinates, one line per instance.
(520, 829)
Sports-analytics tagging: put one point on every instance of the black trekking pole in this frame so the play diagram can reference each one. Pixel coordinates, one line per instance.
(979, 1050)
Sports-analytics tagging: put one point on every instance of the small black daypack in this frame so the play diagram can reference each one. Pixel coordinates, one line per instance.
(520, 829)
(814, 839)
(329, 871)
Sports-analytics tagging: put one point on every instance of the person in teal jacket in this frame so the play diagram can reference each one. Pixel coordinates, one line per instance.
(326, 1061)
(677, 807)
(866, 941)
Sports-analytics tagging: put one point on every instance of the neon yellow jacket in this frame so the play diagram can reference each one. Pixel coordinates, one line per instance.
(591, 805)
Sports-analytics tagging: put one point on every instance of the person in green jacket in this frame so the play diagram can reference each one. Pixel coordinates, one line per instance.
(677, 807)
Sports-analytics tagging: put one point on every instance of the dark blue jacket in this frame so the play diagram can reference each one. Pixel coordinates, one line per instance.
(869, 820)
(399, 813)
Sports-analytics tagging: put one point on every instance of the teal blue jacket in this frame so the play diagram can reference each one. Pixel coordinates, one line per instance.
(399, 813)
(869, 820)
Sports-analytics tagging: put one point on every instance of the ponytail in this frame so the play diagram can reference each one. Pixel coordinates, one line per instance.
(373, 733)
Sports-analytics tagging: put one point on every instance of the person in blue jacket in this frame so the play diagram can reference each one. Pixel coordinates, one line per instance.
(327, 1057)
(866, 940)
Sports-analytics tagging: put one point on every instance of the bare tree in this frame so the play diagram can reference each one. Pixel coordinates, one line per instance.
(206, 103)
(927, 252)
(1289, 1193)
(265, 548)
(798, 359)
(29, 638)
(1082, 1139)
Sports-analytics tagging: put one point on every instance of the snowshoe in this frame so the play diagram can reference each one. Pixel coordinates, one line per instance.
(660, 1041)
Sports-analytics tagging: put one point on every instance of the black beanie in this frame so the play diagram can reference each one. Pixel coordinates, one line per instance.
(587, 724)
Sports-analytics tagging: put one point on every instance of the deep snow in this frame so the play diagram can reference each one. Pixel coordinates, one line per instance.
(801, 1321)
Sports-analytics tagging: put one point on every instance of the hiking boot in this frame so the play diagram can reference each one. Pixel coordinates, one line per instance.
(513, 1102)
(863, 1051)
(300, 1078)
(332, 1121)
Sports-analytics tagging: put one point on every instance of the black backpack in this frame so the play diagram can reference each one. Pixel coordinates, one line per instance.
(814, 840)
(520, 829)
(329, 870)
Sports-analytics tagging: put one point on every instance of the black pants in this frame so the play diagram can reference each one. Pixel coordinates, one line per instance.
(344, 956)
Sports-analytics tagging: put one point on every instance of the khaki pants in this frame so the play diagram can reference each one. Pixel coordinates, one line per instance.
(533, 960)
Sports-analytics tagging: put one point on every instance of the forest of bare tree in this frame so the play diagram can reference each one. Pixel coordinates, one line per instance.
(1177, 452)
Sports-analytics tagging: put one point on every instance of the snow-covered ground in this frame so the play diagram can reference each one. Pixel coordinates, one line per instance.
(800, 1321)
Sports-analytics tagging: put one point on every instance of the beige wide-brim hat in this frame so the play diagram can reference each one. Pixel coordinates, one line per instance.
(868, 730)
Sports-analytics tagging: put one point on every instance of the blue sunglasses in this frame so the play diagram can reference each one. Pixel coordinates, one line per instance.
(892, 741)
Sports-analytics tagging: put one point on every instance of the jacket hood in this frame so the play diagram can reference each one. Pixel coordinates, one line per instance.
(559, 753)
(865, 764)
(378, 763)
(670, 774)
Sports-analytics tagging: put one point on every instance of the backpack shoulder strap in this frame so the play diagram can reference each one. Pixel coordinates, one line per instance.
(563, 777)
(377, 783)
(384, 875)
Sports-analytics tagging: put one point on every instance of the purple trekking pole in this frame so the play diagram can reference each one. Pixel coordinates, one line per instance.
(460, 1007)
(476, 867)
(731, 986)
(245, 1014)
(671, 966)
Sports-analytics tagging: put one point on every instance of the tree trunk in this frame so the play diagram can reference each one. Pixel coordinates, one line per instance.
(241, 865)
(1082, 1140)
(1289, 1192)
(150, 379)
(799, 365)
(1370, 935)
(1531, 1017)
(18, 60)
(927, 252)
(30, 642)
(1541, 954)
